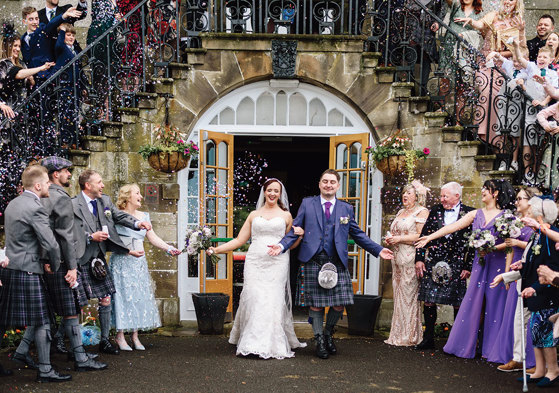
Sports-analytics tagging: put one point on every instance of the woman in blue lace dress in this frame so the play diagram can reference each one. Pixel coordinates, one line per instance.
(134, 306)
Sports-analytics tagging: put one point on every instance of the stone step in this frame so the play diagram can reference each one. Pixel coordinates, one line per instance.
(485, 163)
(128, 115)
(419, 104)
(162, 85)
(385, 74)
(452, 134)
(402, 90)
(468, 148)
(435, 119)
(94, 143)
(146, 100)
(79, 158)
(179, 70)
(112, 129)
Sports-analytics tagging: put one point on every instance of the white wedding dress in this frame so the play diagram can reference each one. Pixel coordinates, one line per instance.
(264, 323)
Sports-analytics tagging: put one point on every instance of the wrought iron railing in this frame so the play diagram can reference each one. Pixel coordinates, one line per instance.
(452, 76)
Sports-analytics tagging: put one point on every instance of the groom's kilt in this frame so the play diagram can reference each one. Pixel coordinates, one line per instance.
(96, 289)
(66, 301)
(23, 299)
(311, 294)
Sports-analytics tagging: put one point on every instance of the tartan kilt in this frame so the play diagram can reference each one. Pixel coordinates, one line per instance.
(310, 293)
(95, 289)
(23, 299)
(65, 300)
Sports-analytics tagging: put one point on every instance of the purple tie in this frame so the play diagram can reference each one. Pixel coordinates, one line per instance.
(327, 209)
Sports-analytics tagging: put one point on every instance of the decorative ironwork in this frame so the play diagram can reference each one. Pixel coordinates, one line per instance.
(284, 58)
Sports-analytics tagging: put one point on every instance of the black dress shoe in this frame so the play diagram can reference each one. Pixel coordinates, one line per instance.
(5, 372)
(427, 343)
(71, 357)
(53, 376)
(330, 346)
(105, 346)
(321, 350)
(25, 360)
(89, 365)
(59, 345)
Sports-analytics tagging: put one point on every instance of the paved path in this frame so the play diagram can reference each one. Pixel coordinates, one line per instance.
(208, 364)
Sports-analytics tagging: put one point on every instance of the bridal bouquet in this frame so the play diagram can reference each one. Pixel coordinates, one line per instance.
(199, 239)
(482, 241)
(508, 226)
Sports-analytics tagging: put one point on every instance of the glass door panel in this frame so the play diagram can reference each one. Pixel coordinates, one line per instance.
(217, 208)
(348, 159)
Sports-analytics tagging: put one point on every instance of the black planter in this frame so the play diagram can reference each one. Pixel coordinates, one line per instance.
(362, 314)
(210, 311)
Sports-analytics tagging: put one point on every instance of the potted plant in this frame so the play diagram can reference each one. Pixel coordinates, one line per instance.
(210, 308)
(394, 155)
(170, 152)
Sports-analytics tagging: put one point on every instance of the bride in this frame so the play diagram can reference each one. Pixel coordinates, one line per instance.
(264, 324)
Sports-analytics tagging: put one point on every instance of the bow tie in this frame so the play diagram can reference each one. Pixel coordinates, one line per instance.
(450, 210)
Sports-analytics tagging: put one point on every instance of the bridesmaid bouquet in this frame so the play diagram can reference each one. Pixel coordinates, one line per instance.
(199, 239)
(91, 333)
(508, 226)
(482, 241)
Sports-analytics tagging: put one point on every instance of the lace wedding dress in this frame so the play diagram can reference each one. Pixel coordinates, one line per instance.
(264, 324)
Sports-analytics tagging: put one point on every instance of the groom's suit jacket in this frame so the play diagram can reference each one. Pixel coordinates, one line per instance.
(27, 233)
(310, 218)
(85, 223)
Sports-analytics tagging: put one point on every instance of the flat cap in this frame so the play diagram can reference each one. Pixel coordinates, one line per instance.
(54, 163)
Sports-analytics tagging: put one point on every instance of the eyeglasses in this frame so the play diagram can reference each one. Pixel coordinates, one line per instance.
(518, 199)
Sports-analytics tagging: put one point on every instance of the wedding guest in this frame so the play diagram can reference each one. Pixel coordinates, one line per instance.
(134, 306)
(542, 300)
(406, 327)
(482, 308)
(23, 297)
(552, 43)
(94, 210)
(507, 351)
(447, 283)
(53, 9)
(546, 25)
(496, 27)
(264, 323)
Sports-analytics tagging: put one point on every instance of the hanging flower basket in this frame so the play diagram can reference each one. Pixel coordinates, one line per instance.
(168, 162)
(170, 153)
(392, 165)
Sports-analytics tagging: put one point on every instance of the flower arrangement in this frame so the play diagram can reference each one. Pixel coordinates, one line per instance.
(168, 139)
(395, 145)
(12, 338)
(482, 241)
(91, 333)
(508, 226)
(199, 239)
(443, 329)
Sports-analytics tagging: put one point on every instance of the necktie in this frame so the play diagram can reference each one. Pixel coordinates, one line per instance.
(542, 72)
(50, 14)
(449, 210)
(27, 39)
(327, 209)
(94, 204)
(515, 73)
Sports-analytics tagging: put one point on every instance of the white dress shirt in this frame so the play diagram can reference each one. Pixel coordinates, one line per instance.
(451, 215)
(323, 201)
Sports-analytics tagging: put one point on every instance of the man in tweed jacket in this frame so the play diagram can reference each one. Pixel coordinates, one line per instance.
(328, 223)
(94, 210)
(23, 298)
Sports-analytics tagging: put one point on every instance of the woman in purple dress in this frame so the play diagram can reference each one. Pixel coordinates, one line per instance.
(507, 344)
(482, 307)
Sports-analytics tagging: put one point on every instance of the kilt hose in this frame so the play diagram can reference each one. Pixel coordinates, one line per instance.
(96, 289)
(66, 301)
(310, 293)
(23, 299)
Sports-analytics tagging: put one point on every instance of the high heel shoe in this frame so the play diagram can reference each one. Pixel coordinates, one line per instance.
(138, 346)
(123, 346)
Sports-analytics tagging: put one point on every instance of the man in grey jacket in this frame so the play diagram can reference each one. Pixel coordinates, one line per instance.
(95, 217)
(23, 297)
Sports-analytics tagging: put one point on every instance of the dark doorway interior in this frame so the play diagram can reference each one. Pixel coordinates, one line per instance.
(296, 161)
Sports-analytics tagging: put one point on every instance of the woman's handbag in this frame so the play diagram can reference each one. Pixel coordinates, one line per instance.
(98, 269)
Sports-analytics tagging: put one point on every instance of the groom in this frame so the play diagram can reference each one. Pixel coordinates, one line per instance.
(327, 223)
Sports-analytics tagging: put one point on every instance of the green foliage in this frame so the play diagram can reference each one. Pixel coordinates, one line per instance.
(168, 139)
(394, 146)
(12, 338)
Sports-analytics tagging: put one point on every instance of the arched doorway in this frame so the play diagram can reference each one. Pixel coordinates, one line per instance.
(293, 131)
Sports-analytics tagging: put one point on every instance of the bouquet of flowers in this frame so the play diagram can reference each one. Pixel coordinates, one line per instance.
(199, 239)
(508, 226)
(91, 333)
(482, 241)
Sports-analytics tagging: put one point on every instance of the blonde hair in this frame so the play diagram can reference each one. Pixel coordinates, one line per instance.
(546, 49)
(124, 195)
(32, 175)
(419, 197)
(518, 10)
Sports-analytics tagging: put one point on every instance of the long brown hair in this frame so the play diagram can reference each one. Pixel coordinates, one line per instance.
(478, 6)
(274, 180)
(10, 36)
